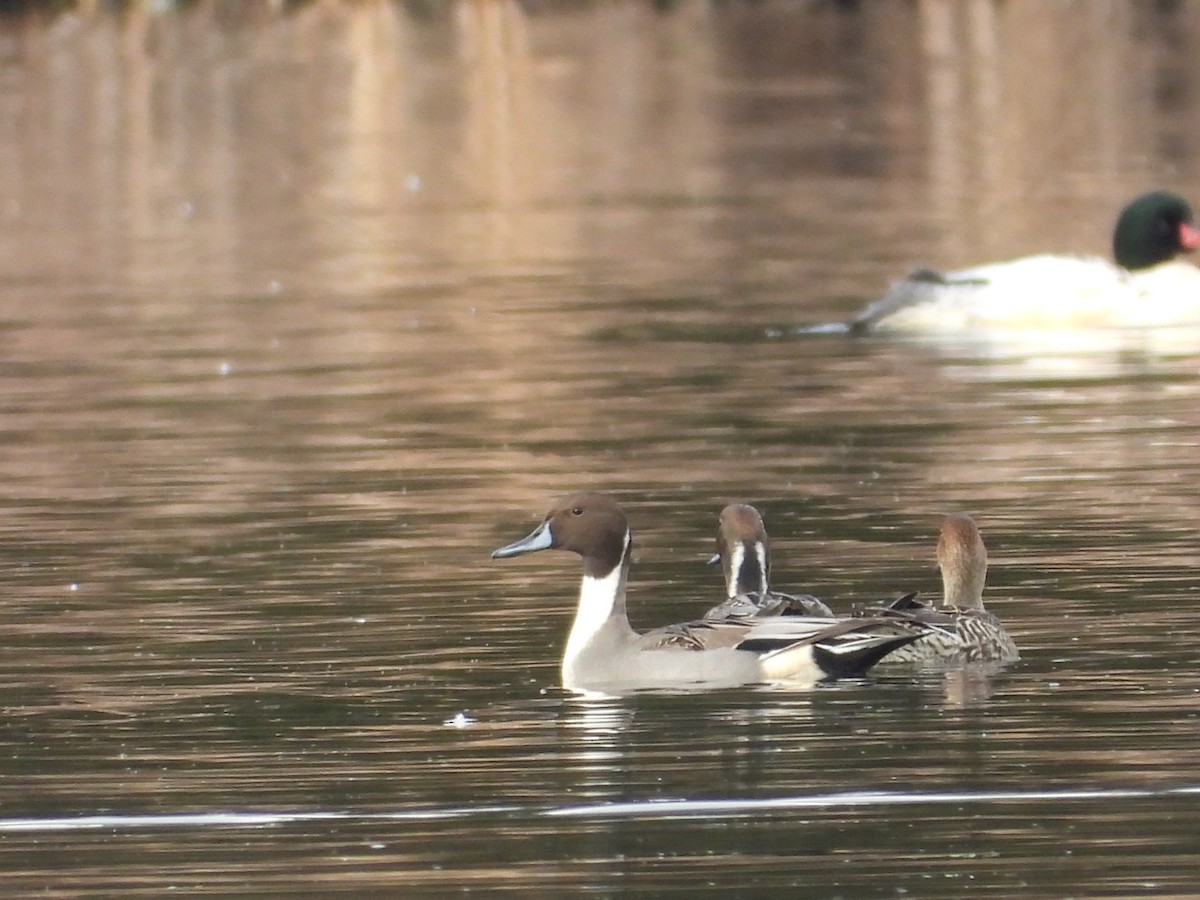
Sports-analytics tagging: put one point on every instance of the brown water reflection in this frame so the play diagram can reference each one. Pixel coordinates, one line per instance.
(304, 313)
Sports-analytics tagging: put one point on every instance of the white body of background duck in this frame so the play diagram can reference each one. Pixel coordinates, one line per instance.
(1145, 286)
(605, 654)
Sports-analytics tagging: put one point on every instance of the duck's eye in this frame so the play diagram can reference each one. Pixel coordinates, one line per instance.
(577, 510)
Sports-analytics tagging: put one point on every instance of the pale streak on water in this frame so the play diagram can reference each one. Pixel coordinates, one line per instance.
(304, 314)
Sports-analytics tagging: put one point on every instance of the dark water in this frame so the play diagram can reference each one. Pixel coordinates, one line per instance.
(302, 315)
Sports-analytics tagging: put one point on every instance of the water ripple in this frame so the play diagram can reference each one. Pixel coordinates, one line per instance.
(634, 809)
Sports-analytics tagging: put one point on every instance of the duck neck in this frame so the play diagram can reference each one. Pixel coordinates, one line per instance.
(748, 571)
(600, 613)
(963, 589)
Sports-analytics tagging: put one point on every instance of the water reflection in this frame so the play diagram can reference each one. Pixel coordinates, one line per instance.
(655, 809)
(1064, 356)
(1000, 156)
(455, 138)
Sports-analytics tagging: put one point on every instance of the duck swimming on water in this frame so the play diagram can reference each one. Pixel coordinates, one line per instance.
(744, 552)
(1144, 285)
(604, 653)
(961, 630)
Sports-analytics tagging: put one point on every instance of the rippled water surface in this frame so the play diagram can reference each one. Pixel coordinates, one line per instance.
(304, 313)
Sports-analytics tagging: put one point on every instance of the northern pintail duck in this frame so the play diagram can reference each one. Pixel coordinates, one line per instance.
(603, 651)
(744, 552)
(1144, 286)
(961, 630)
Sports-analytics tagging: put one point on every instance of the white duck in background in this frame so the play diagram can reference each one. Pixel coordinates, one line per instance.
(1146, 286)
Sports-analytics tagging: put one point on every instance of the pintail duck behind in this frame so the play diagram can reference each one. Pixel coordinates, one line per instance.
(961, 630)
(604, 653)
(744, 552)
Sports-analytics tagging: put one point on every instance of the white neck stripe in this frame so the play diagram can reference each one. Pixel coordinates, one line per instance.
(736, 557)
(600, 599)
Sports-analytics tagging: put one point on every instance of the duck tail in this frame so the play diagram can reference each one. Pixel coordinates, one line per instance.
(848, 658)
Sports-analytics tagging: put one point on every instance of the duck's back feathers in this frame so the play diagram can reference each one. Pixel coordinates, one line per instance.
(773, 603)
(952, 635)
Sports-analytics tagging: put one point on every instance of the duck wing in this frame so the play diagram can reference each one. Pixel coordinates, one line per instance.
(952, 632)
(802, 605)
(774, 603)
(763, 635)
(907, 608)
(918, 286)
(843, 648)
(839, 648)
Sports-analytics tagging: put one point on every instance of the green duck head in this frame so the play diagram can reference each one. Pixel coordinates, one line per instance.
(1152, 229)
